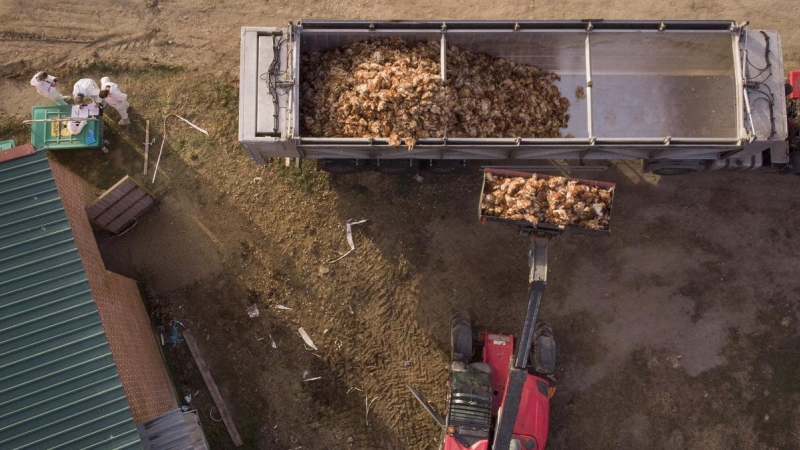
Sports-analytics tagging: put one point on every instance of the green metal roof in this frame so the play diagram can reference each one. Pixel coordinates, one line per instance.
(59, 387)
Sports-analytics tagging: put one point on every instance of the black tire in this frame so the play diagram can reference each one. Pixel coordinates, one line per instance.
(394, 166)
(543, 352)
(445, 166)
(342, 166)
(666, 172)
(668, 167)
(460, 337)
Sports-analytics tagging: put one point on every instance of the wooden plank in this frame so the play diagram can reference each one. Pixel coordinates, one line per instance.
(101, 205)
(119, 208)
(212, 388)
(195, 431)
(111, 195)
(120, 204)
(130, 214)
(146, 144)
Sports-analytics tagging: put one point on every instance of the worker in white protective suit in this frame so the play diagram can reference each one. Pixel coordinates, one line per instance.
(47, 86)
(85, 88)
(110, 92)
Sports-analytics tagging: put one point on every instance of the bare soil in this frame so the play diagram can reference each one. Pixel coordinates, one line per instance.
(677, 331)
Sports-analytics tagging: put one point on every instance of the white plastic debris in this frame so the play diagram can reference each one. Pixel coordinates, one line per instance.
(164, 139)
(252, 311)
(188, 398)
(306, 377)
(419, 178)
(283, 307)
(274, 345)
(306, 338)
(349, 225)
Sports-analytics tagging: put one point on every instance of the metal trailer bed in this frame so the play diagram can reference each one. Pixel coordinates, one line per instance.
(674, 93)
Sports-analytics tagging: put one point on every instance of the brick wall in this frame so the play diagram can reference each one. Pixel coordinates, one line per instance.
(144, 378)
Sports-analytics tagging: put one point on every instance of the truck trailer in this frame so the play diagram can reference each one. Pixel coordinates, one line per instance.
(681, 95)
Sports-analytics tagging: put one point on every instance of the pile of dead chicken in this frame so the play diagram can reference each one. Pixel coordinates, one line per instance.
(393, 89)
(555, 200)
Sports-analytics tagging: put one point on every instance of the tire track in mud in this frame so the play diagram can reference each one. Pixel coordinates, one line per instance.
(367, 302)
(387, 349)
(35, 37)
(131, 43)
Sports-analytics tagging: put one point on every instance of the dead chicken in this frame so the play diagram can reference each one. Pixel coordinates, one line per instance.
(392, 89)
(554, 200)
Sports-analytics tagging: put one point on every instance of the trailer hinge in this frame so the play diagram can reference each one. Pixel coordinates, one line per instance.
(372, 26)
(516, 26)
(667, 140)
(589, 26)
(662, 26)
(444, 26)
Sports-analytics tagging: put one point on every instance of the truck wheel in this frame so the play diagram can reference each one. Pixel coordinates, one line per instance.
(394, 166)
(666, 167)
(460, 337)
(445, 166)
(343, 166)
(673, 171)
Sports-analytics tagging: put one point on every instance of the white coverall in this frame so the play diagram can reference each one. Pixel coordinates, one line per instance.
(117, 99)
(46, 89)
(88, 88)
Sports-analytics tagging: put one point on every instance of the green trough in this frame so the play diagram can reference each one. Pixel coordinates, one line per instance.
(49, 129)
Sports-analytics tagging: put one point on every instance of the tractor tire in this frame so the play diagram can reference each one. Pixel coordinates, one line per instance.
(543, 352)
(460, 337)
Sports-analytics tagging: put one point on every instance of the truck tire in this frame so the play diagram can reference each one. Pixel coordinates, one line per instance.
(667, 167)
(445, 166)
(394, 166)
(673, 171)
(343, 166)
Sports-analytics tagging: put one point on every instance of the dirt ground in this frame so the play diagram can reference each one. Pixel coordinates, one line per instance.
(677, 331)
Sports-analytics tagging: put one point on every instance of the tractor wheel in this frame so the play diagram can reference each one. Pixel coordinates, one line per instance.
(543, 353)
(460, 337)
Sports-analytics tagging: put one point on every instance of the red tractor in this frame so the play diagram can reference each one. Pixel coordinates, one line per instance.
(500, 394)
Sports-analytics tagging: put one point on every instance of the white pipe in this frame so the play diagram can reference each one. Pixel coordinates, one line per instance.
(589, 124)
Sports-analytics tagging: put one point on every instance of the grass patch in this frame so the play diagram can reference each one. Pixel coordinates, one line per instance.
(16, 130)
(307, 178)
(155, 69)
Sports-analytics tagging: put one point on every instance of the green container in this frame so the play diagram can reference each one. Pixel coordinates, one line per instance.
(5, 145)
(51, 133)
